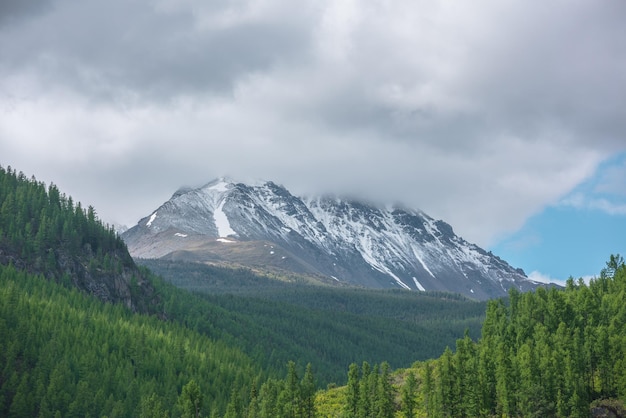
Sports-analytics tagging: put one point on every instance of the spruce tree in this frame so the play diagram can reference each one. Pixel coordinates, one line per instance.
(190, 400)
(408, 395)
(384, 395)
(352, 396)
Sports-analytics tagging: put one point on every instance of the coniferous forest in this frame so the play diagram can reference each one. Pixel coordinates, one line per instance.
(85, 332)
(549, 353)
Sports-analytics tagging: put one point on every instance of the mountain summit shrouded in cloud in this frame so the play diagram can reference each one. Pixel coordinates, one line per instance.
(265, 227)
(483, 114)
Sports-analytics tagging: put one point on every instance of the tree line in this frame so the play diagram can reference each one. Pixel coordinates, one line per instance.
(545, 353)
(552, 352)
(37, 221)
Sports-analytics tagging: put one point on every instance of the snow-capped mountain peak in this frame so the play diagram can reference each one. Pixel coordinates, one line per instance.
(346, 240)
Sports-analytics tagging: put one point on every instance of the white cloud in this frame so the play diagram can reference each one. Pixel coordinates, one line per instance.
(544, 278)
(479, 114)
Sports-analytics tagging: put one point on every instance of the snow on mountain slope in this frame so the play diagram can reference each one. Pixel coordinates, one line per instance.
(345, 240)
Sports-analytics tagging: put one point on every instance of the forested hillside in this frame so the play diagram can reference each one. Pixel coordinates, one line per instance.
(43, 231)
(548, 353)
(85, 332)
(275, 322)
(65, 354)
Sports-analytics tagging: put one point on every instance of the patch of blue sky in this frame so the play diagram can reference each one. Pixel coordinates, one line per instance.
(575, 236)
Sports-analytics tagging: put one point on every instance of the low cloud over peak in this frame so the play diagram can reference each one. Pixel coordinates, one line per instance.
(480, 114)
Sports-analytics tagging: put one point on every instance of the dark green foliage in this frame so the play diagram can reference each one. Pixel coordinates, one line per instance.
(62, 351)
(547, 353)
(35, 220)
(275, 322)
(189, 402)
(384, 405)
(42, 231)
(369, 393)
(352, 397)
(308, 387)
(408, 396)
(286, 398)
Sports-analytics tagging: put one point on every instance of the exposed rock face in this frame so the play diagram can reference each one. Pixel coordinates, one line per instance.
(264, 225)
(124, 284)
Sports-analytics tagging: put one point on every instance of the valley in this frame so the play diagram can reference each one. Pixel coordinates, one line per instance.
(86, 330)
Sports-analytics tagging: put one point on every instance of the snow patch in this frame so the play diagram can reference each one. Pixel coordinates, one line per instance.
(472, 290)
(334, 278)
(419, 258)
(224, 240)
(419, 285)
(272, 252)
(178, 234)
(152, 218)
(221, 221)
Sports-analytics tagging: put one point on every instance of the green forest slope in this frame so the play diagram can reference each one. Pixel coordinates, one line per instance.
(44, 232)
(67, 354)
(276, 321)
(548, 353)
(85, 332)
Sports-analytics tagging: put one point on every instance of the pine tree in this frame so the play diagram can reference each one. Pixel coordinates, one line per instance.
(447, 384)
(308, 387)
(428, 389)
(152, 407)
(365, 392)
(352, 396)
(190, 400)
(408, 395)
(268, 396)
(384, 394)
(234, 409)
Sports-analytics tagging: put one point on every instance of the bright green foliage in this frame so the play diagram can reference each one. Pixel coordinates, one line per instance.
(190, 400)
(308, 388)
(384, 405)
(548, 353)
(428, 390)
(152, 407)
(64, 352)
(353, 391)
(369, 393)
(367, 390)
(408, 396)
(287, 398)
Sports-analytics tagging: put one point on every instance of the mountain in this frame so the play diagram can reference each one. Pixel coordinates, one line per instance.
(86, 331)
(264, 227)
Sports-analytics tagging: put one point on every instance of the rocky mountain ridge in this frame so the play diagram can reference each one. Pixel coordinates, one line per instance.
(263, 225)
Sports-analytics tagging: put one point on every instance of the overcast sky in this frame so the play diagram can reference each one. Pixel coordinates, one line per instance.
(486, 114)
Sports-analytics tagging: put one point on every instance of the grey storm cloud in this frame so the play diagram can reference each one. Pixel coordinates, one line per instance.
(480, 113)
(145, 49)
